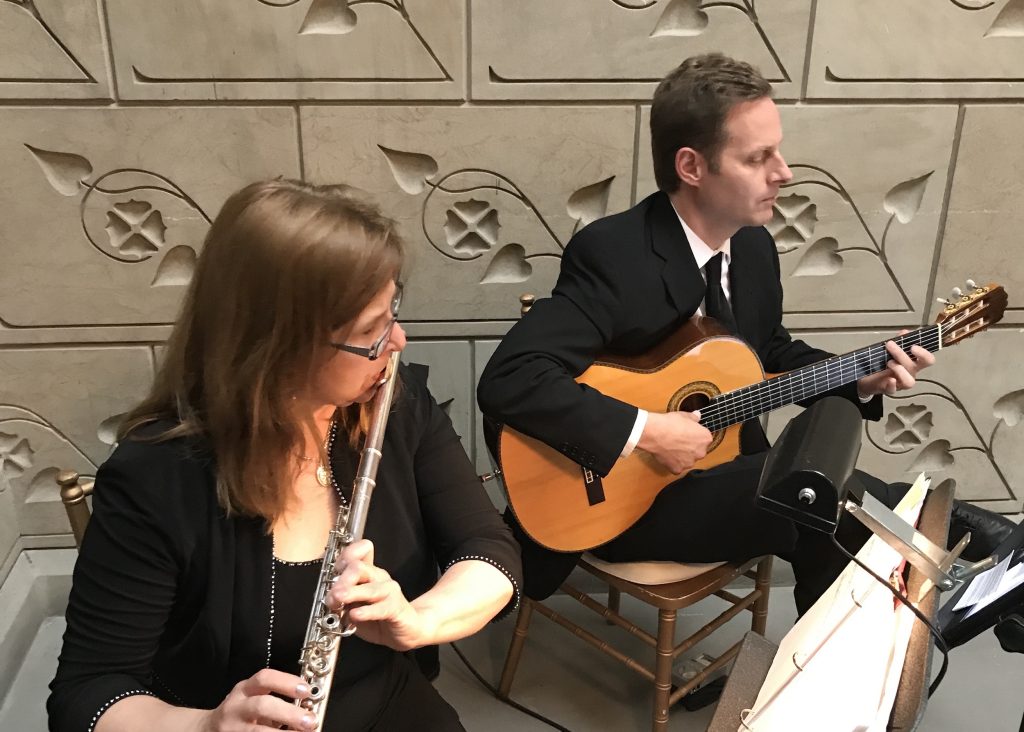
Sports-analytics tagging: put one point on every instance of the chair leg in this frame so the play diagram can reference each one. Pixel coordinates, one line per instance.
(762, 582)
(663, 668)
(614, 595)
(515, 648)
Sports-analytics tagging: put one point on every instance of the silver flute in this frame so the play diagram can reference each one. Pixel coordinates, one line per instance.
(326, 627)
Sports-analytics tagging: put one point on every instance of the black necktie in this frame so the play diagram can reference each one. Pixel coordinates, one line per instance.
(715, 303)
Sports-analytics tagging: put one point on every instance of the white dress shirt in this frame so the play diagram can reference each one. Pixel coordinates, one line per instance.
(701, 254)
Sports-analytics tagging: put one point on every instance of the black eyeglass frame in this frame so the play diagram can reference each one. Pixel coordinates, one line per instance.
(374, 351)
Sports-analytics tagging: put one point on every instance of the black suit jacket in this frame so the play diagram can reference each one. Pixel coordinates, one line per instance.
(172, 597)
(627, 281)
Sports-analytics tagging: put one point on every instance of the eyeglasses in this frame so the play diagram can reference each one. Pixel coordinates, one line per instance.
(374, 351)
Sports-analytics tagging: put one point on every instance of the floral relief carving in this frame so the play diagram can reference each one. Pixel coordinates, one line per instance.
(124, 212)
(469, 203)
(793, 220)
(908, 430)
(908, 426)
(471, 226)
(15, 458)
(32, 450)
(135, 228)
(795, 217)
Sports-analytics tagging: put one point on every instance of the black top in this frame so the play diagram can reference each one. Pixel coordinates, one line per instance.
(172, 598)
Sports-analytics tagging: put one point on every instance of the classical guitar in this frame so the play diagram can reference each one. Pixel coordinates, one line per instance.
(567, 507)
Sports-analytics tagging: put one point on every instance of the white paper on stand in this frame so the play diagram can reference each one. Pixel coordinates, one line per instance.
(839, 667)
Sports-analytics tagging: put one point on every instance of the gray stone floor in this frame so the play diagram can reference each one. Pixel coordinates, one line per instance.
(580, 688)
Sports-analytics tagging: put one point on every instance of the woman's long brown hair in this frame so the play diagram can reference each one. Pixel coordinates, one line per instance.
(284, 265)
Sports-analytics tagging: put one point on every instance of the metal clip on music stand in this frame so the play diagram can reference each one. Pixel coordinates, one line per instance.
(808, 478)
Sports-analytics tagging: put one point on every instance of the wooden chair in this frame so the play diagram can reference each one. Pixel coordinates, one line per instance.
(73, 493)
(667, 587)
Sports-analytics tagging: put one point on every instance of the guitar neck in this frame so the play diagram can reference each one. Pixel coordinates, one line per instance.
(809, 381)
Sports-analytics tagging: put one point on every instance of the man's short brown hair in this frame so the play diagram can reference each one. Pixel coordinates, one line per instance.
(690, 107)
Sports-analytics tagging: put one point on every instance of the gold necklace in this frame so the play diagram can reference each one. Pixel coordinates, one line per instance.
(323, 472)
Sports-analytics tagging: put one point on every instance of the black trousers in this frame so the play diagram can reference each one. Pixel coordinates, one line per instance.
(711, 516)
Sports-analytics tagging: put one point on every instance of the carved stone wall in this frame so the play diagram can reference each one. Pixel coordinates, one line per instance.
(493, 130)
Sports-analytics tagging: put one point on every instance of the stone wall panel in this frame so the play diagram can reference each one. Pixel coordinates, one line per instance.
(105, 209)
(876, 49)
(487, 197)
(950, 425)
(541, 50)
(985, 218)
(59, 408)
(52, 49)
(288, 49)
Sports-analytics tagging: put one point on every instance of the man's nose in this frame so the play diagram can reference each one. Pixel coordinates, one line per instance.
(783, 173)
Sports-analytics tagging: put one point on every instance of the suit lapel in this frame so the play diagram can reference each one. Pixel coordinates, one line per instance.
(682, 277)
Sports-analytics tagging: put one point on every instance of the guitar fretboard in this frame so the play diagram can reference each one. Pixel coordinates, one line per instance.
(809, 381)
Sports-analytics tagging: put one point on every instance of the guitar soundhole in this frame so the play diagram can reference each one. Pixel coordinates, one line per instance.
(695, 395)
(694, 402)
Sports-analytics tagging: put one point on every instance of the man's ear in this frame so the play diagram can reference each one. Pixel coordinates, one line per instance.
(690, 166)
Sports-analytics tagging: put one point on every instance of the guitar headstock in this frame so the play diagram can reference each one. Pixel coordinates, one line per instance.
(970, 312)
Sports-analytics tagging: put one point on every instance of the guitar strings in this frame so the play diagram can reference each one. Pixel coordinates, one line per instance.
(737, 403)
(741, 400)
(734, 404)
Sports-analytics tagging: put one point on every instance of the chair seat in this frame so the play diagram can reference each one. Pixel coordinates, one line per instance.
(650, 573)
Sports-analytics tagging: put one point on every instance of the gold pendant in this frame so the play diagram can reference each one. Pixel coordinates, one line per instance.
(322, 476)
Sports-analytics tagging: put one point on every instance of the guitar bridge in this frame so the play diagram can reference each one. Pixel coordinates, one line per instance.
(595, 489)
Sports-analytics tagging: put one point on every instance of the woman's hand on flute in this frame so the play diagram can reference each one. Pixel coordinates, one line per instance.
(250, 705)
(374, 602)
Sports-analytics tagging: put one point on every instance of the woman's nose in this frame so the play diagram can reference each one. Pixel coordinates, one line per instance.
(398, 339)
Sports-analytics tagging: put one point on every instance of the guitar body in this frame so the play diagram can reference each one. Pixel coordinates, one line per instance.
(550, 494)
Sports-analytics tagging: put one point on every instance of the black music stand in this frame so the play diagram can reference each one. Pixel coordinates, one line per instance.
(958, 627)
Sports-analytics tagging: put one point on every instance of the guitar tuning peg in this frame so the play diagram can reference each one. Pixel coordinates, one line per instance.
(942, 300)
(957, 293)
(972, 284)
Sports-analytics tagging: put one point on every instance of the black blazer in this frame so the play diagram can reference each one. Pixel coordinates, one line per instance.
(172, 598)
(627, 281)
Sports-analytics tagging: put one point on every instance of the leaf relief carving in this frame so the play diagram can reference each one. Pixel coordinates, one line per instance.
(590, 202)
(329, 17)
(820, 260)
(935, 456)
(1009, 22)
(65, 171)
(1010, 407)
(175, 268)
(509, 265)
(411, 170)
(904, 199)
(681, 18)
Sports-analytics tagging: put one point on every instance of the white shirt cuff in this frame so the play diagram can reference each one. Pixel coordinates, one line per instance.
(634, 436)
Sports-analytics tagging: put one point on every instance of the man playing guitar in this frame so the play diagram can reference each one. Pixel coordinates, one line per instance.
(627, 282)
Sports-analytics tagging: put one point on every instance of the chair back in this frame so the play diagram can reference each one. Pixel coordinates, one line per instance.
(73, 494)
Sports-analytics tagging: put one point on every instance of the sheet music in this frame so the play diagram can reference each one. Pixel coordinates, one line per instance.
(991, 584)
(840, 665)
